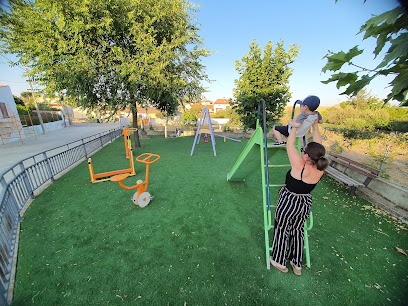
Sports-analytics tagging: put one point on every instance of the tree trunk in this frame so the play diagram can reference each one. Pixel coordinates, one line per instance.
(165, 126)
(135, 134)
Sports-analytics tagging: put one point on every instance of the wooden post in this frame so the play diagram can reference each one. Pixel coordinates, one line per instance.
(36, 106)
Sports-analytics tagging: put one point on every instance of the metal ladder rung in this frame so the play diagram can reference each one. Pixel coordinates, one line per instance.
(277, 166)
(276, 185)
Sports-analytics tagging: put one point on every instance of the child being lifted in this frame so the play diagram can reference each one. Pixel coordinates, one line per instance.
(306, 118)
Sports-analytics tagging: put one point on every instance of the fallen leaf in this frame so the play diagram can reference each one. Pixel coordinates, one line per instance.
(345, 206)
(401, 251)
(326, 198)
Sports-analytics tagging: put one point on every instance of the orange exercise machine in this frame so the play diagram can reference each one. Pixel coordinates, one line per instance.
(141, 197)
(101, 177)
(126, 135)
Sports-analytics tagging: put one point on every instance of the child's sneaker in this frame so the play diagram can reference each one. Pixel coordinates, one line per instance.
(276, 144)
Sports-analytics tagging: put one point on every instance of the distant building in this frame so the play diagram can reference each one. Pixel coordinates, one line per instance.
(221, 104)
(207, 102)
(10, 125)
(201, 106)
(7, 105)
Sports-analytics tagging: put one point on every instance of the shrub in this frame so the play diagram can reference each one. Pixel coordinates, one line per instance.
(400, 126)
(220, 114)
(356, 123)
(22, 109)
(188, 117)
(379, 118)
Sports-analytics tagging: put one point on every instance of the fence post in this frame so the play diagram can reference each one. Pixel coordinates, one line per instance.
(324, 134)
(385, 156)
(83, 145)
(3, 187)
(100, 138)
(27, 182)
(49, 166)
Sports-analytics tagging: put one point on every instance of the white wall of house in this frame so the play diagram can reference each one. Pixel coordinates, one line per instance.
(214, 121)
(50, 126)
(8, 116)
(7, 97)
(218, 107)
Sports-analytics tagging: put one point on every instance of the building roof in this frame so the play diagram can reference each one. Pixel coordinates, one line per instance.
(221, 101)
(150, 110)
(210, 107)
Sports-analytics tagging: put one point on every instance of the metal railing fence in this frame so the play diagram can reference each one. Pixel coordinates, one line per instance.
(22, 181)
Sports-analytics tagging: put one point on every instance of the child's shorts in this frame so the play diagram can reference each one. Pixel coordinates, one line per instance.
(284, 130)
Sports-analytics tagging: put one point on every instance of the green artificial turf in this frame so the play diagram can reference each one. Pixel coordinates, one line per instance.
(200, 241)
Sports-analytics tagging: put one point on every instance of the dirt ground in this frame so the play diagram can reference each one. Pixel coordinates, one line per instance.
(395, 168)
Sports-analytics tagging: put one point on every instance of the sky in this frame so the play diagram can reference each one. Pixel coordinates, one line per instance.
(229, 27)
(316, 26)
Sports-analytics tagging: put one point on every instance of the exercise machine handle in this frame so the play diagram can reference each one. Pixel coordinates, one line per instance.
(145, 158)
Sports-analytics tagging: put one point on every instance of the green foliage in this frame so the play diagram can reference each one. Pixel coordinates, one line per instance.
(25, 95)
(363, 100)
(108, 54)
(189, 117)
(220, 114)
(401, 126)
(22, 109)
(42, 106)
(48, 114)
(196, 111)
(233, 116)
(265, 78)
(388, 28)
(18, 101)
(364, 111)
(354, 118)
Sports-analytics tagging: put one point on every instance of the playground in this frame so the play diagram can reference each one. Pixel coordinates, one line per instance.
(200, 240)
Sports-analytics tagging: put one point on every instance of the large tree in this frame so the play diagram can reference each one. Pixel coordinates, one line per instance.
(265, 78)
(106, 54)
(390, 29)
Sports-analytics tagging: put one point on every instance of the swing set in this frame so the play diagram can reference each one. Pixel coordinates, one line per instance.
(200, 130)
(259, 153)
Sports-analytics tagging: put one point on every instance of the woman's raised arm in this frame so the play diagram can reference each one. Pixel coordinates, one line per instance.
(317, 137)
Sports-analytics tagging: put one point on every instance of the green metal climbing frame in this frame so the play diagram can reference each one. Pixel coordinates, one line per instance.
(259, 153)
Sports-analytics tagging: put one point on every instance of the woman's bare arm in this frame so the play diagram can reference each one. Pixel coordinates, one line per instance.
(295, 160)
(317, 137)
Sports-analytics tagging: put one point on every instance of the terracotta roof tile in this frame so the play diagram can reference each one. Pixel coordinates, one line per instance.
(221, 101)
(210, 107)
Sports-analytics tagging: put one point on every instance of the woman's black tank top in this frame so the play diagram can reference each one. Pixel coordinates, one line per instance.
(298, 186)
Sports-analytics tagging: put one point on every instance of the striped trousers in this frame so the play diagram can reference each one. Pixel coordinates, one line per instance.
(292, 212)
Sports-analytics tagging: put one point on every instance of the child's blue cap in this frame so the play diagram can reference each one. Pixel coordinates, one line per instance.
(312, 102)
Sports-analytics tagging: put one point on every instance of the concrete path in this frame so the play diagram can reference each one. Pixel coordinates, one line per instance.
(16, 151)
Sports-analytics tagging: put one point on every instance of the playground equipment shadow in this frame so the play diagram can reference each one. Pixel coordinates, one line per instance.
(200, 241)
